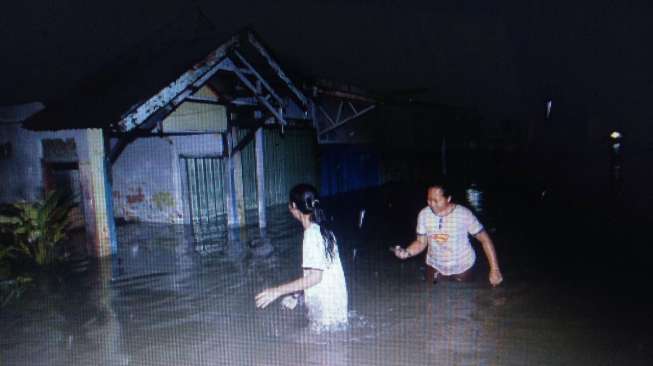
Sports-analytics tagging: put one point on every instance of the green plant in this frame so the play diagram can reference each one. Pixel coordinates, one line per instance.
(13, 289)
(5, 256)
(7, 249)
(5, 252)
(38, 228)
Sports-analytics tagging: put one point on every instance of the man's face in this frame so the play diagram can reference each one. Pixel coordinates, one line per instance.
(436, 200)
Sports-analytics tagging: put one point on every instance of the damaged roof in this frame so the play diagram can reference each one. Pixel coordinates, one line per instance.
(104, 98)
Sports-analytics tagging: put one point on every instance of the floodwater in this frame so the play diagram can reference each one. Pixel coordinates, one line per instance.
(167, 299)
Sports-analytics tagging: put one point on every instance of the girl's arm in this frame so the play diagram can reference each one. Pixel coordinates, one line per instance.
(311, 278)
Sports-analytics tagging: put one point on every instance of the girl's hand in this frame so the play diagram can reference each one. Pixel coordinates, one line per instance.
(267, 297)
(289, 302)
(495, 277)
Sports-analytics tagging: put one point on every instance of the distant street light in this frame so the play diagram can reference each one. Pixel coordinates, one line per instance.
(549, 105)
(616, 173)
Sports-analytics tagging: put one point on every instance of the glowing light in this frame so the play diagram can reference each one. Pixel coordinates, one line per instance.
(549, 105)
(615, 135)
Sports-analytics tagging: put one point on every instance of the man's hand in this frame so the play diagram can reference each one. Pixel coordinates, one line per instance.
(495, 277)
(400, 252)
(267, 297)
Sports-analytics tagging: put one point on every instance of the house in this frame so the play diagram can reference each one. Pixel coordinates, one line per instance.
(162, 141)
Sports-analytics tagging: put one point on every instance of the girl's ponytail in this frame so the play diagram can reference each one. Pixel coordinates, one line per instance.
(305, 198)
(328, 235)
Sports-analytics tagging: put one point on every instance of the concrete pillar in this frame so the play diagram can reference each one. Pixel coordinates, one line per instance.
(260, 178)
(96, 193)
(235, 196)
(232, 217)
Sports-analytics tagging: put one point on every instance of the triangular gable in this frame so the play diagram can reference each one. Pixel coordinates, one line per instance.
(228, 57)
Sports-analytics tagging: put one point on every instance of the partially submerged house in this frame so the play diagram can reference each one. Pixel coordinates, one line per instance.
(151, 139)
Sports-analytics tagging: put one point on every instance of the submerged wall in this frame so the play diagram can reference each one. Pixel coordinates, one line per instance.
(150, 177)
(68, 161)
(290, 159)
(21, 168)
(149, 180)
(147, 176)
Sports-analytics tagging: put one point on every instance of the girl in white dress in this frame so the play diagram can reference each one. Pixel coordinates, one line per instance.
(323, 281)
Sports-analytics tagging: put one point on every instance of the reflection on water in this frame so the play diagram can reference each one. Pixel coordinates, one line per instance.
(167, 299)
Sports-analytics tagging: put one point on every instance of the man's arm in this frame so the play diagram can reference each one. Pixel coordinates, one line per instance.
(416, 247)
(488, 247)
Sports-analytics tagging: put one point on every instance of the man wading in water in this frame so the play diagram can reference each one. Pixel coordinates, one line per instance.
(444, 227)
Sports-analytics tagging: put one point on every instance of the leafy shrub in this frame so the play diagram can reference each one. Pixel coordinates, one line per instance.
(37, 229)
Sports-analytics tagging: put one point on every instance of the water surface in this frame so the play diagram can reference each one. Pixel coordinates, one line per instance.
(167, 299)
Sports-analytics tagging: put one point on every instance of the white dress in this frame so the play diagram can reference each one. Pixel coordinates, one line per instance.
(326, 301)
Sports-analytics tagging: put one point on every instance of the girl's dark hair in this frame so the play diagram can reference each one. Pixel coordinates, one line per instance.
(305, 198)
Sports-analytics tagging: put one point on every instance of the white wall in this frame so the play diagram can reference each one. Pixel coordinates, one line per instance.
(147, 176)
(21, 176)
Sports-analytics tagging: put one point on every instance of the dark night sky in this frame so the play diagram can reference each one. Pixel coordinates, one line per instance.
(503, 60)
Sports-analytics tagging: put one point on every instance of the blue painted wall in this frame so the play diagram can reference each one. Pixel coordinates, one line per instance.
(347, 168)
